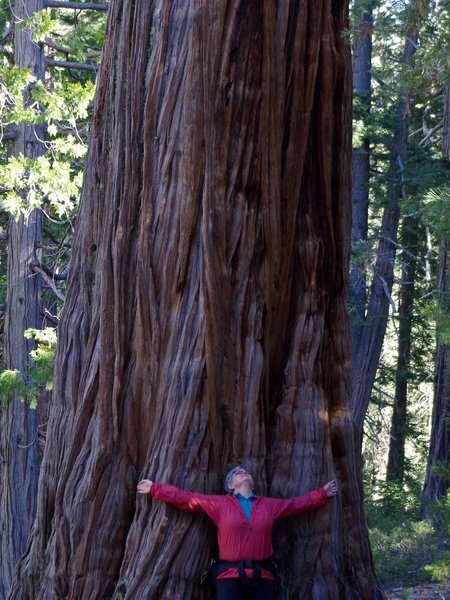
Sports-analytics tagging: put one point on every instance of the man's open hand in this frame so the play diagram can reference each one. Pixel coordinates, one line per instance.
(331, 488)
(144, 486)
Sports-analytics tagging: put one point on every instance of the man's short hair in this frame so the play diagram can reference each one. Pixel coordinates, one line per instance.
(229, 477)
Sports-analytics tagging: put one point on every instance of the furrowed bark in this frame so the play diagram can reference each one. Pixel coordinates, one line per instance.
(205, 319)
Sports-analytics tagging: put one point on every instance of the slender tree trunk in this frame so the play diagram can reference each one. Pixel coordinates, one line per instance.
(206, 321)
(409, 239)
(19, 457)
(437, 477)
(362, 82)
(446, 128)
(365, 362)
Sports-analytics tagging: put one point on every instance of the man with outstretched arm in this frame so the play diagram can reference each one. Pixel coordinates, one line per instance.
(244, 524)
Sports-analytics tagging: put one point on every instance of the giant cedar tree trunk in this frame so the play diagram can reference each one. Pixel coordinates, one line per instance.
(205, 322)
(19, 457)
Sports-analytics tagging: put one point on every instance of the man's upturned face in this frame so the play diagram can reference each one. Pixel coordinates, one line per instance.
(241, 476)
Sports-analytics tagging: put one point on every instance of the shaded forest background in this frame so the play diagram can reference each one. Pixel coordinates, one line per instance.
(399, 303)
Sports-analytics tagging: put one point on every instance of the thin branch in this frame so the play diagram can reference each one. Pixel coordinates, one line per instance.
(52, 44)
(54, 276)
(51, 235)
(388, 295)
(64, 64)
(77, 5)
(8, 33)
(66, 50)
(28, 445)
(430, 133)
(49, 281)
(52, 318)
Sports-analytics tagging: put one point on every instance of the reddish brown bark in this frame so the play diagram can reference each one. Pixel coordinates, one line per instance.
(205, 322)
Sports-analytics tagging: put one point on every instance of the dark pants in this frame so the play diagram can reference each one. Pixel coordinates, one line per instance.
(233, 589)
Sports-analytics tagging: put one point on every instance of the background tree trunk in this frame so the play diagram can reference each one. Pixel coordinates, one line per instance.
(19, 456)
(437, 477)
(409, 239)
(365, 363)
(205, 322)
(362, 82)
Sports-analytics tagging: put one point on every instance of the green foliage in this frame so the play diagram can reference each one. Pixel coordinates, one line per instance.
(390, 502)
(40, 374)
(438, 571)
(30, 183)
(401, 553)
(67, 101)
(433, 55)
(10, 383)
(59, 109)
(85, 34)
(13, 81)
(436, 210)
(41, 24)
(403, 546)
(56, 177)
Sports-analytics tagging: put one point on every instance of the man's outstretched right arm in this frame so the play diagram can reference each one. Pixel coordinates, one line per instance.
(182, 499)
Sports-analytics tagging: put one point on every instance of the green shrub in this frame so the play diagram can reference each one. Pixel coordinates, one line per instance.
(438, 571)
(400, 554)
(391, 503)
(406, 550)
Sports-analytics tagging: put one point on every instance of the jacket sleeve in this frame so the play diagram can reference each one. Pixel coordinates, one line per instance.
(298, 504)
(185, 500)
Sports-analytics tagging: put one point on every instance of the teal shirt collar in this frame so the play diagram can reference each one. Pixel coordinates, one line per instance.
(239, 496)
(246, 504)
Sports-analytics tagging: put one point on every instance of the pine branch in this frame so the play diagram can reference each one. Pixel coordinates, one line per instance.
(66, 50)
(77, 5)
(52, 44)
(63, 64)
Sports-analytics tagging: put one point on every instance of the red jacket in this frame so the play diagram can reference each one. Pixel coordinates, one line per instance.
(237, 538)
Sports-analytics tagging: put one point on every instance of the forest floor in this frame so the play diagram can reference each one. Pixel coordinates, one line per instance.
(426, 591)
